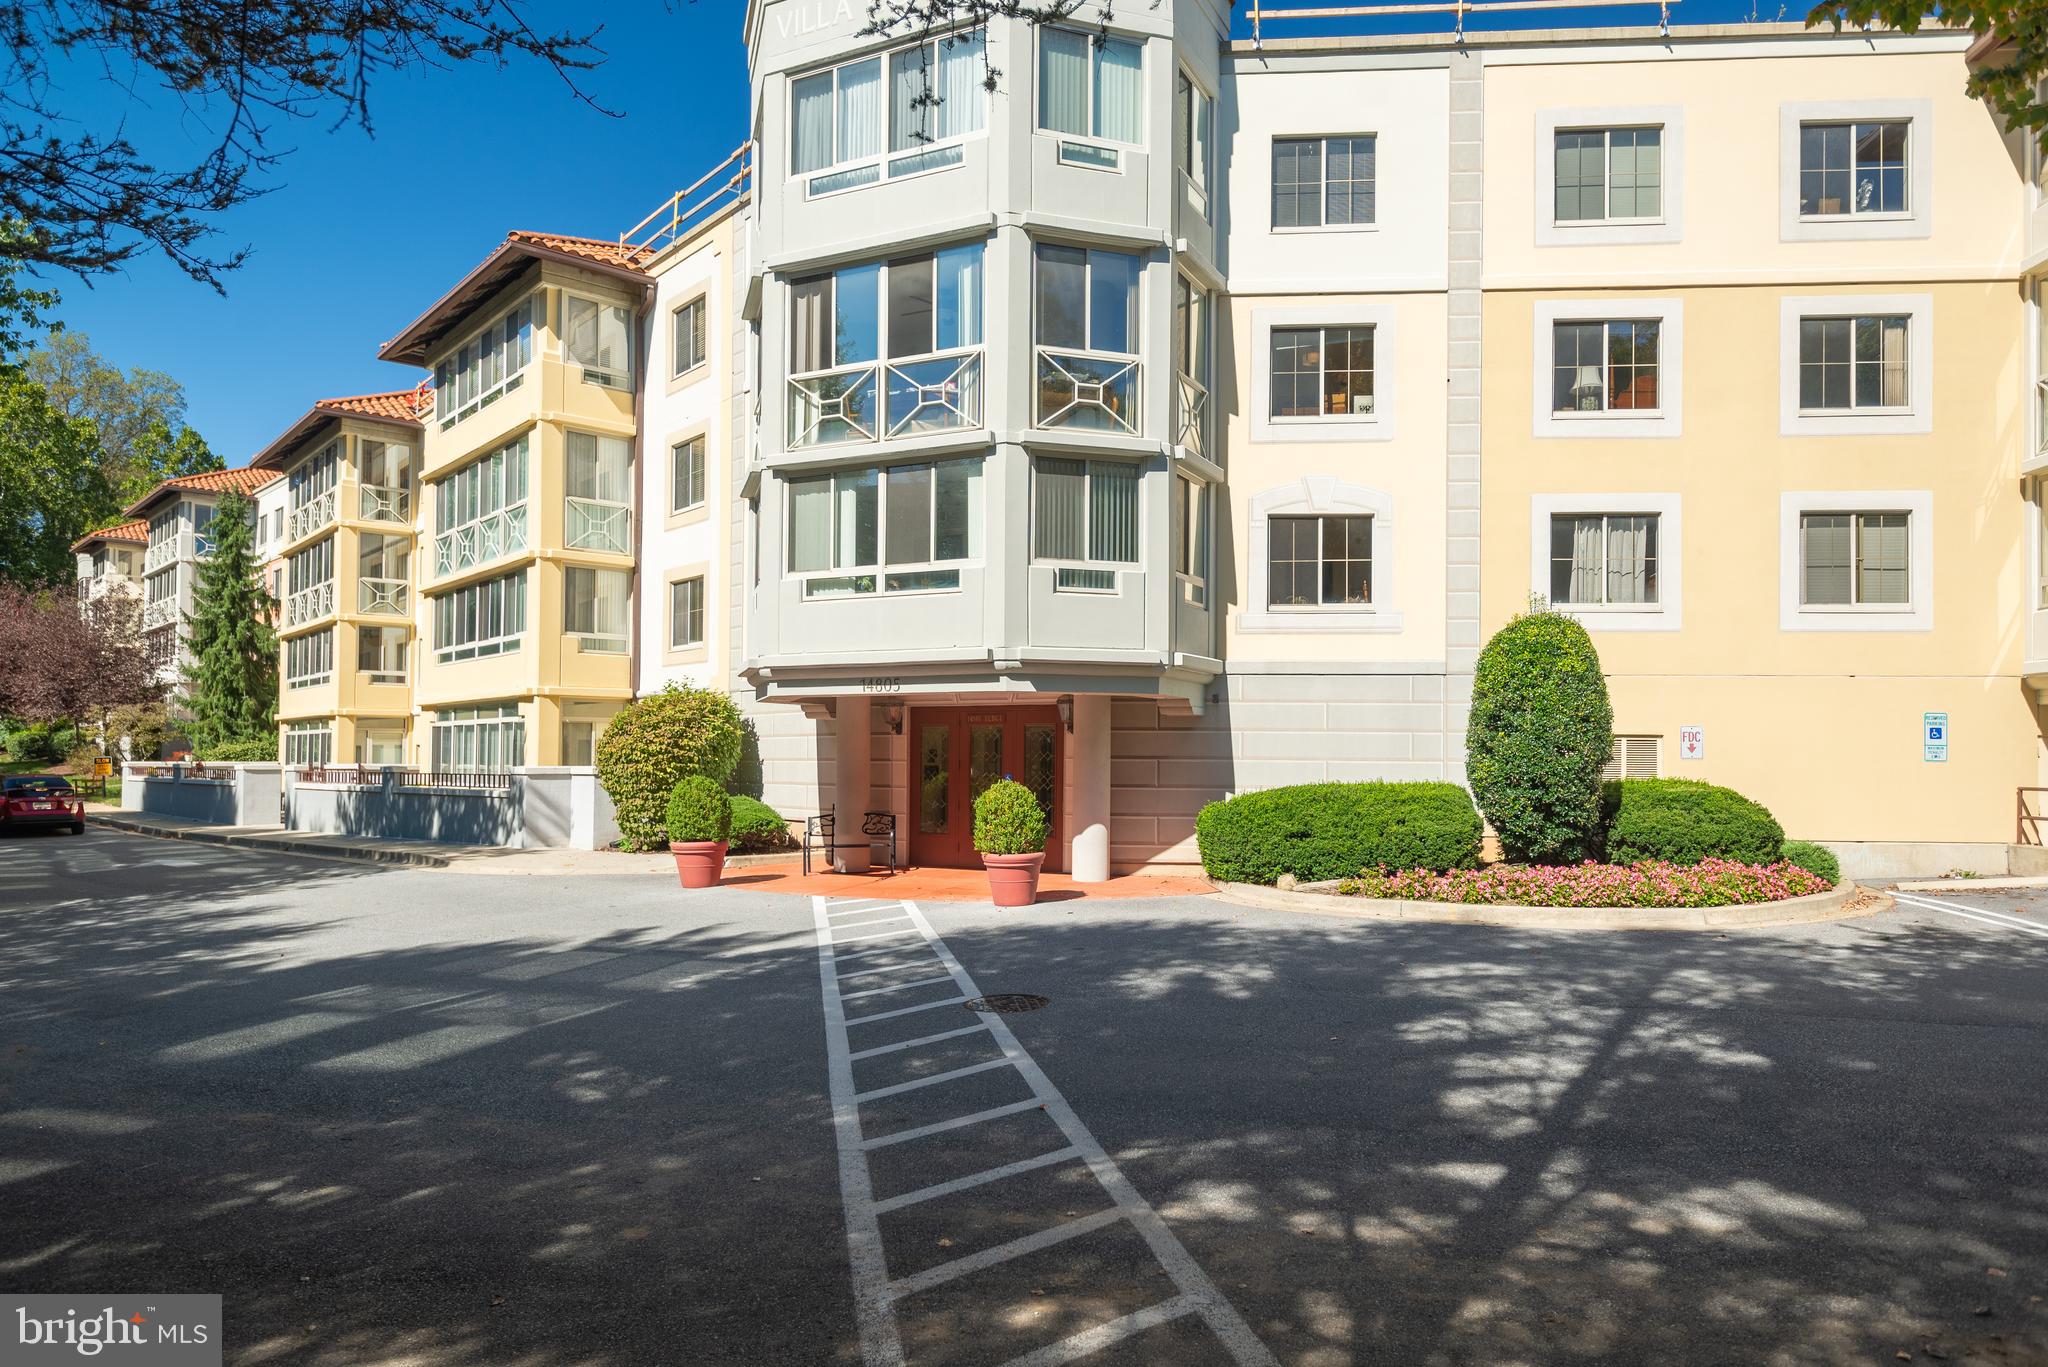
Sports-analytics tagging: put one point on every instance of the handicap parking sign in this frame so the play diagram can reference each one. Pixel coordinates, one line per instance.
(1934, 729)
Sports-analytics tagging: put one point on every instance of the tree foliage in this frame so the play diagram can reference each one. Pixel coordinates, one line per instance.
(52, 490)
(1541, 731)
(231, 683)
(139, 415)
(66, 661)
(655, 742)
(2009, 82)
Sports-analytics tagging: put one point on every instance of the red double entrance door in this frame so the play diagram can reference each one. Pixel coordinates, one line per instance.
(956, 753)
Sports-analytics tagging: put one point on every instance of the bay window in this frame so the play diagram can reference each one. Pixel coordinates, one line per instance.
(309, 659)
(897, 114)
(1604, 559)
(1084, 520)
(1191, 320)
(488, 365)
(380, 654)
(1605, 367)
(1090, 85)
(1194, 133)
(485, 618)
(309, 583)
(384, 574)
(385, 471)
(597, 505)
(1087, 333)
(900, 529)
(1318, 562)
(887, 349)
(480, 510)
(599, 338)
(478, 739)
(1191, 539)
(310, 492)
(1321, 372)
(308, 743)
(594, 607)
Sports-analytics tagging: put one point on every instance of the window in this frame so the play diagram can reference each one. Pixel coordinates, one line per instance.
(686, 613)
(1085, 512)
(384, 573)
(2038, 297)
(1318, 562)
(597, 506)
(478, 739)
(314, 476)
(686, 475)
(1609, 175)
(488, 365)
(599, 339)
(686, 331)
(1191, 539)
(1321, 372)
(1848, 169)
(1849, 364)
(1191, 321)
(1604, 367)
(380, 654)
(594, 607)
(309, 659)
(1194, 133)
(867, 529)
(480, 510)
(480, 619)
(1602, 559)
(386, 473)
(1324, 182)
(1855, 559)
(1090, 85)
(1634, 757)
(309, 583)
(308, 743)
(1087, 332)
(911, 327)
(841, 119)
(381, 747)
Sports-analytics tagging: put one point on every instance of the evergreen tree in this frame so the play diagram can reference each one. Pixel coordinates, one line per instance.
(231, 684)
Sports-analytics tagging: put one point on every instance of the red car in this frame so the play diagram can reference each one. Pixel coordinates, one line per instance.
(31, 800)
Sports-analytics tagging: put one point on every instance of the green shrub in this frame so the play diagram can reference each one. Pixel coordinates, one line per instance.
(145, 725)
(241, 751)
(1684, 821)
(654, 742)
(698, 809)
(1008, 820)
(1817, 860)
(37, 744)
(756, 826)
(1540, 733)
(1320, 831)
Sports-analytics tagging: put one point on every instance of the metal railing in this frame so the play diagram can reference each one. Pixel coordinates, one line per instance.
(906, 397)
(686, 208)
(308, 604)
(1191, 415)
(1087, 389)
(383, 503)
(482, 541)
(387, 775)
(350, 776)
(1264, 11)
(390, 597)
(2028, 828)
(592, 524)
(311, 516)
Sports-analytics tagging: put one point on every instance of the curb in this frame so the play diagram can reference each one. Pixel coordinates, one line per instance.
(364, 854)
(1820, 906)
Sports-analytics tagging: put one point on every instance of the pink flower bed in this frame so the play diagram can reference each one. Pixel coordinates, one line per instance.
(1710, 883)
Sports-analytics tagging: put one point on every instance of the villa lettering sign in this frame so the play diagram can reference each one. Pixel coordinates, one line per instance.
(801, 20)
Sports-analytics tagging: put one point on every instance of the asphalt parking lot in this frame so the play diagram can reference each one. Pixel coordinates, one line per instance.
(403, 1116)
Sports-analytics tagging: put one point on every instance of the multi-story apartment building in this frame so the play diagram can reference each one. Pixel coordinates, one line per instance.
(179, 514)
(110, 560)
(345, 537)
(526, 501)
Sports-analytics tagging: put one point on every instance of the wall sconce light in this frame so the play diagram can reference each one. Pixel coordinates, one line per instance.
(1066, 706)
(894, 716)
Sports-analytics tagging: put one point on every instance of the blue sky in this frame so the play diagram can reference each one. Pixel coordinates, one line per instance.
(361, 233)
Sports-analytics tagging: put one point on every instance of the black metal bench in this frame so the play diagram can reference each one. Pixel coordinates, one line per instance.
(876, 828)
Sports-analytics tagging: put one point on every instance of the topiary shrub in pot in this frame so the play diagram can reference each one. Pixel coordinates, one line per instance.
(699, 827)
(1684, 821)
(1009, 833)
(1321, 831)
(1541, 731)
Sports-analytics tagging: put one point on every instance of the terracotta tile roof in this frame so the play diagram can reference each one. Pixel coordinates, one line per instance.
(593, 248)
(400, 405)
(246, 480)
(519, 249)
(136, 531)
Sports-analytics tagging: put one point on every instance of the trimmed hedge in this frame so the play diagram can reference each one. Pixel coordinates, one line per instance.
(698, 809)
(1817, 860)
(262, 751)
(654, 742)
(1684, 821)
(1541, 732)
(756, 826)
(1321, 831)
(1008, 820)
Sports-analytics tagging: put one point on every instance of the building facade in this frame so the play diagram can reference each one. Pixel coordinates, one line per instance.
(110, 560)
(178, 515)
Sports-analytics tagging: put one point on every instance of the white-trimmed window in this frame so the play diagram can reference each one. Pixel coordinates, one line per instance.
(597, 499)
(1634, 757)
(896, 114)
(384, 574)
(492, 361)
(1191, 539)
(308, 742)
(380, 654)
(1318, 561)
(594, 608)
(1608, 367)
(2037, 304)
(1608, 175)
(1086, 326)
(899, 529)
(599, 338)
(2038, 497)
(1850, 168)
(686, 475)
(484, 618)
(387, 475)
(314, 476)
(309, 583)
(1091, 86)
(1855, 169)
(686, 337)
(1856, 560)
(1320, 372)
(686, 613)
(1613, 561)
(1084, 520)
(478, 739)
(1324, 373)
(1322, 559)
(1605, 366)
(380, 747)
(1853, 363)
(1192, 319)
(1325, 182)
(480, 510)
(1194, 135)
(309, 659)
(1856, 365)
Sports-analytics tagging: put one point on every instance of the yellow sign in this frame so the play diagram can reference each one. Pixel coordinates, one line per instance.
(102, 767)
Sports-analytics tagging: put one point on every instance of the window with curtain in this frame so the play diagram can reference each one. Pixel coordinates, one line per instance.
(380, 654)
(1086, 512)
(686, 613)
(897, 114)
(1325, 182)
(597, 503)
(1090, 86)
(1854, 559)
(1603, 559)
(478, 739)
(867, 531)
(1847, 169)
(686, 330)
(1852, 363)
(1194, 132)
(599, 339)
(1603, 367)
(1320, 372)
(686, 475)
(485, 618)
(1322, 561)
(1608, 174)
(486, 486)
(594, 607)
(488, 364)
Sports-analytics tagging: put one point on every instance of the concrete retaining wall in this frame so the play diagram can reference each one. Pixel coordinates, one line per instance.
(551, 807)
(216, 794)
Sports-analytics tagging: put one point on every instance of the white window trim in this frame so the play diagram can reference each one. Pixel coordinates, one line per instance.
(1378, 425)
(1916, 615)
(1918, 221)
(703, 583)
(879, 160)
(627, 379)
(1108, 144)
(1916, 418)
(1670, 227)
(1668, 612)
(1325, 226)
(701, 302)
(1311, 496)
(1666, 421)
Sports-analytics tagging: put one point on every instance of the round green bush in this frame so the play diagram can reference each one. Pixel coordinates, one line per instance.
(1684, 821)
(1008, 820)
(657, 740)
(37, 744)
(1817, 860)
(756, 826)
(1320, 831)
(262, 751)
(1541, 732)
(698, 809)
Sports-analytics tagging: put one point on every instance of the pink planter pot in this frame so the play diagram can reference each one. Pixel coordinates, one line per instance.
(1013, 878)
(699, 863)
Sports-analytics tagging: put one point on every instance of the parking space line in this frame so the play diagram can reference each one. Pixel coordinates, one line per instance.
(1002, 1253)
(1979, 914)
(920, 1083)
(958, 1122)
(884, 968)
(900, 1045)
(1103, 1335)
(856, 939)
(975, 1179)
(904, 1010)
(894, 987)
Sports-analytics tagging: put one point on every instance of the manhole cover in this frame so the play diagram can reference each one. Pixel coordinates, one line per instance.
(1008, 1003)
